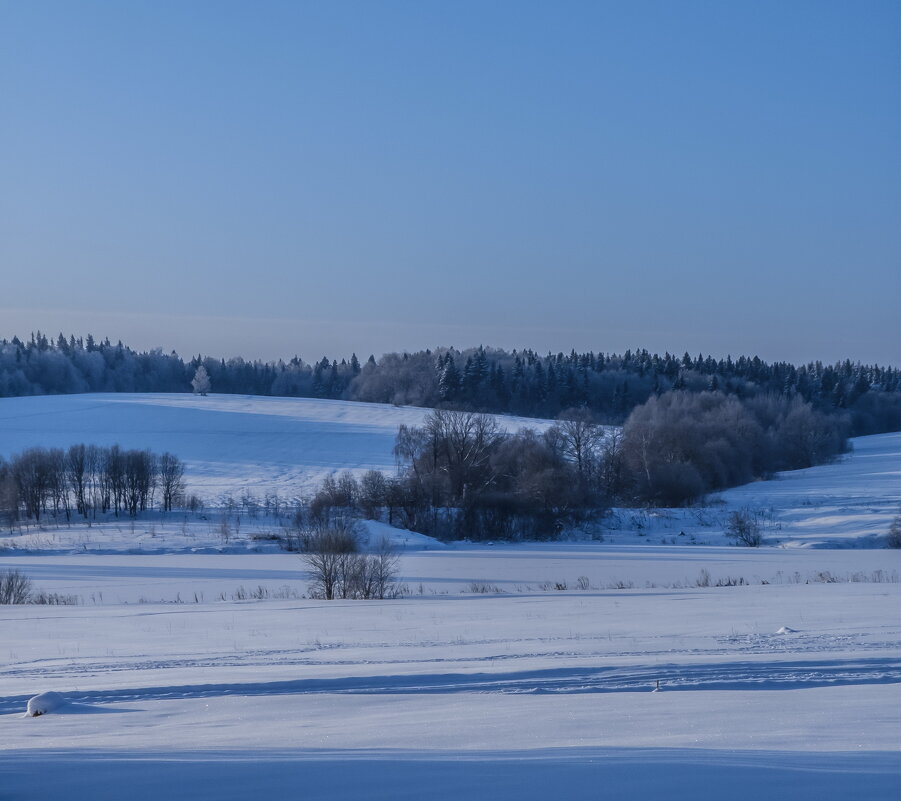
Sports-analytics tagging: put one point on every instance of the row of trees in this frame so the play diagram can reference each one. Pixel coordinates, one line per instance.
(478, 379)
(462, 476)
(88, 480)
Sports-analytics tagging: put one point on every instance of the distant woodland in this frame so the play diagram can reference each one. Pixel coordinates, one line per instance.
(610, 386)
(690, 426)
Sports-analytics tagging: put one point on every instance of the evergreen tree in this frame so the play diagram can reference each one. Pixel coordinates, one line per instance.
(201, 381)
(449, 381)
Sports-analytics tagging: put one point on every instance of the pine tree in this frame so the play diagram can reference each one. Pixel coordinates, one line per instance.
(449, 380)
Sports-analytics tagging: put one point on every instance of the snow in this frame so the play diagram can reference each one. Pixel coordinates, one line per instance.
(509, 695)
(42, 703)
(373, 533)
(519, 672)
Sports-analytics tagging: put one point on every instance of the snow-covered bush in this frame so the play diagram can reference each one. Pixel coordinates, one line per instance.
(43, 703)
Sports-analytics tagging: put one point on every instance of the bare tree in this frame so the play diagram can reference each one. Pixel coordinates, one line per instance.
(372, 493)
(579, 437)
(171, 479)
(76, 476)
(326, 555)
(743, 528)
(15, 587)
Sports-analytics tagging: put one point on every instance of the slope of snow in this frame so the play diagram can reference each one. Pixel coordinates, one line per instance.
(853, 499)
(228, 442)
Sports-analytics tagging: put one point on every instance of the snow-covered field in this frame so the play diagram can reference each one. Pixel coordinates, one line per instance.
(789, 689)
(508, 672)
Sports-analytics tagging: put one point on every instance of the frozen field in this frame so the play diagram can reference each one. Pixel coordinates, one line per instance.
(508, 672)
(789, 688)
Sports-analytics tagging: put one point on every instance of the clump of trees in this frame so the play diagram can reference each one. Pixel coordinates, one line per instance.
(339, 570)
(87, 480)
(680, 446)
(462, 476)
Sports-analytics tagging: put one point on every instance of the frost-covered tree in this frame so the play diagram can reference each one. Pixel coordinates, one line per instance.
(449, 381)
(201, 381)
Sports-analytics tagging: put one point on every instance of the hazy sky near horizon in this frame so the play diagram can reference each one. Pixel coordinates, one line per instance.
(276, 178)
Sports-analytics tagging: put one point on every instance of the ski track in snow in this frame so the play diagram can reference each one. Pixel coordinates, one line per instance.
(638, 678)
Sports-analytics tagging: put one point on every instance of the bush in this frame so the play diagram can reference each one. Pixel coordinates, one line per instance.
(15, 587)
(744, 528)
(338, 570)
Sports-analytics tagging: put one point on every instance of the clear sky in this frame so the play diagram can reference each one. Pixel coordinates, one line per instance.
(269, 178)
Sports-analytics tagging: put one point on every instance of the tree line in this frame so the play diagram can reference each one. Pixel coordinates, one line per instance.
(87, 481)
(461, 476)
(479, 379)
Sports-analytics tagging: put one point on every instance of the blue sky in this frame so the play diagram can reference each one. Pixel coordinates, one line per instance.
(272, 178)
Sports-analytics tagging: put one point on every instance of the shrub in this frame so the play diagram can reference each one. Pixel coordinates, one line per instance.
(15, 587)
(338, 569)
(743, 528)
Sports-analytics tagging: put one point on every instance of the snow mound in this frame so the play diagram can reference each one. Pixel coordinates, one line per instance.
(373, 533)
(43, 703)
(787, 630)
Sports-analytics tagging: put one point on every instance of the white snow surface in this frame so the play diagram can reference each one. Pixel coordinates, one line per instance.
(485, 682)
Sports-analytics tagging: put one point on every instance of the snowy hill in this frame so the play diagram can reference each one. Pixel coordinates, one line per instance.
(231, 443)
(228, 442)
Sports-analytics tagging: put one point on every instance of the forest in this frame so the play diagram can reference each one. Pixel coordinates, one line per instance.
(610, 386)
